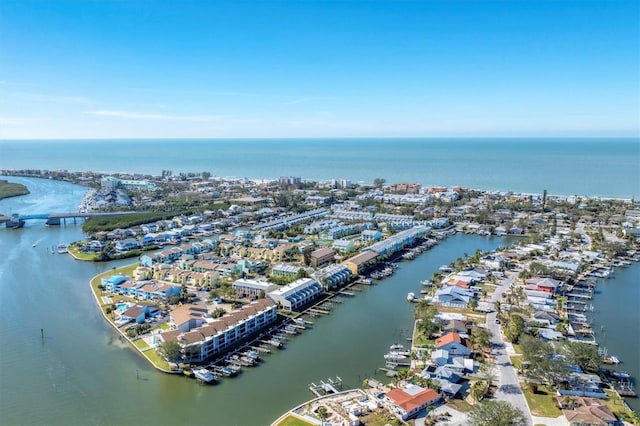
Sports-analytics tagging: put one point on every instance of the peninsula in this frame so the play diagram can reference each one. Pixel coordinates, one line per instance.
(11, 189)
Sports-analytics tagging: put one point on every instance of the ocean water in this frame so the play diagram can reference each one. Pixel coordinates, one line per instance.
(592, 167)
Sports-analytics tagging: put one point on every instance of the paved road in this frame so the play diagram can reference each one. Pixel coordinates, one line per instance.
(508, 386)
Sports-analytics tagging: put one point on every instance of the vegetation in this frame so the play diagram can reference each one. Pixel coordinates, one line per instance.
(541, 401)
(292, 420)
(425, 314)
(171, 351)
(496, 413)
(11, 189)
(97, 224)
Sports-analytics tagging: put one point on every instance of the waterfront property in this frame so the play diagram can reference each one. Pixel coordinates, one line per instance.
(359, 263)
(215, 336)
(408, 401)
(297, 294)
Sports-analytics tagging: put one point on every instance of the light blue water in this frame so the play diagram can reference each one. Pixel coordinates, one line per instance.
(593, 167)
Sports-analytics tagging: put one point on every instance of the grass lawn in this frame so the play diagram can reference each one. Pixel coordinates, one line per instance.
(516, 361)
(379, 418)
(164, 327)
(157, 359)
(421, 341)
(517, 348)
(460, 405)
(614, 403)
(77, 254)
(140, 344)
(542, 403)
(291, 420)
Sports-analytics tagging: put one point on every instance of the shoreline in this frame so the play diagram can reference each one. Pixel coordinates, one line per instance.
(120, 332)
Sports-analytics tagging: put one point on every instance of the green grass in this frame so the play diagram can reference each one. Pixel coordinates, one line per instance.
(292, 420)
(516, 361)
(164, 327)
(77, 254)
(379, 418)
(140, 344)
(542, 403)
(11, 189)
(517, 348)
(460, 405)
(157, 359)
(615, 404)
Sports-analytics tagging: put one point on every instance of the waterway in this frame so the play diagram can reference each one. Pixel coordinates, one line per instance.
(81, 373)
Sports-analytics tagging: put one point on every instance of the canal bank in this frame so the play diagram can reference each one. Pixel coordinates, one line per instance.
(86, 375)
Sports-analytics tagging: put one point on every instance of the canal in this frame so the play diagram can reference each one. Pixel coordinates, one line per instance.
(81, 373)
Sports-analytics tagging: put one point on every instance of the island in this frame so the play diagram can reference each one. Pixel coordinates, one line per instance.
(12, 189)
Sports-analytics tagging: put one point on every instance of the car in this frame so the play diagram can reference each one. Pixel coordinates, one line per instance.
(497, 321)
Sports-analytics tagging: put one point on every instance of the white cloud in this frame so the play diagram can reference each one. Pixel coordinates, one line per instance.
(130, 115)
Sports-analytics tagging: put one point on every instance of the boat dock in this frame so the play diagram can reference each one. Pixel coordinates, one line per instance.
(328, 387)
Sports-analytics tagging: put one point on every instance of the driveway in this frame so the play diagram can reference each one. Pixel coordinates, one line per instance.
(508, 386)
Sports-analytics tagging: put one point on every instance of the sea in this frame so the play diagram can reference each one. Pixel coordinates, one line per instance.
(62, 364)
(600, 167)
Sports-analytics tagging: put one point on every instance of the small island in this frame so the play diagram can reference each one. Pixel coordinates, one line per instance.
(11, 189)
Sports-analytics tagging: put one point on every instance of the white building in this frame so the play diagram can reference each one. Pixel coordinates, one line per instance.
(247, 287)
(300, 292)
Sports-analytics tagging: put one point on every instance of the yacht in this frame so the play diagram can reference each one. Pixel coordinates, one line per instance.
(395, 356)
(204, 375)
(62, 248)
(411, 297)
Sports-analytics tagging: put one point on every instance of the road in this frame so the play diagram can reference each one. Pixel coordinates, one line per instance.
(508, 386)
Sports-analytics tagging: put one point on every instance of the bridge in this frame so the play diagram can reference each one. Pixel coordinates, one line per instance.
(17, 220)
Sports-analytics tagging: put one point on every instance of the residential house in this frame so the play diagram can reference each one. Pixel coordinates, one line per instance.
(581, 411)
(453, 296)
(454, 344)
(408, 401)
(359, 263)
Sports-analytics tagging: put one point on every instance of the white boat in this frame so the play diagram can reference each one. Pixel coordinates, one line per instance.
(394, 356)
(62, 248)
(411, 297)
(204, 375)
(396, 347)
(34, 244)
(426, 283)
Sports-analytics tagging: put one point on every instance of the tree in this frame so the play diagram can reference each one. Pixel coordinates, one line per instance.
(171, 351)
(582, 354)
(473, 304)
(480, 338)
(379, 182)
(322, 412)
(496, 413)
(515, 328)
(479, 390)
(206, 175)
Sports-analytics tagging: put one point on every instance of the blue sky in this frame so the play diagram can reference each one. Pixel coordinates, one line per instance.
(150, 69)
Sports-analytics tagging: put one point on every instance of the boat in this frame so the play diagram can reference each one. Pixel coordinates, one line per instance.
(426, 283)
(395, 356)
(396, 347)
(620, 375)
(34, 244)
(62, 248)
(610, 359)
(411, 297)
(203, 375)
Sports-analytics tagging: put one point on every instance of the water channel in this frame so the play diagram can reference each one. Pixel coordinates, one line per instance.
(81, 373)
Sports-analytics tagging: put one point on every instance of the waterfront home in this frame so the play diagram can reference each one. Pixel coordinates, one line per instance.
(546, 318)
(158, 291)
(112, 283)
(580, 411)
(370, 235)
(130, 288)
(297, 294)
(408, 401)
(137, 313)
(252, 288)
(545, 284)
(453, 296)
(398, 241)
(494, 261)
(217, 335)
(446, 376)
(333, 276)
(359, 263)
(127, 244)
(454, 344)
